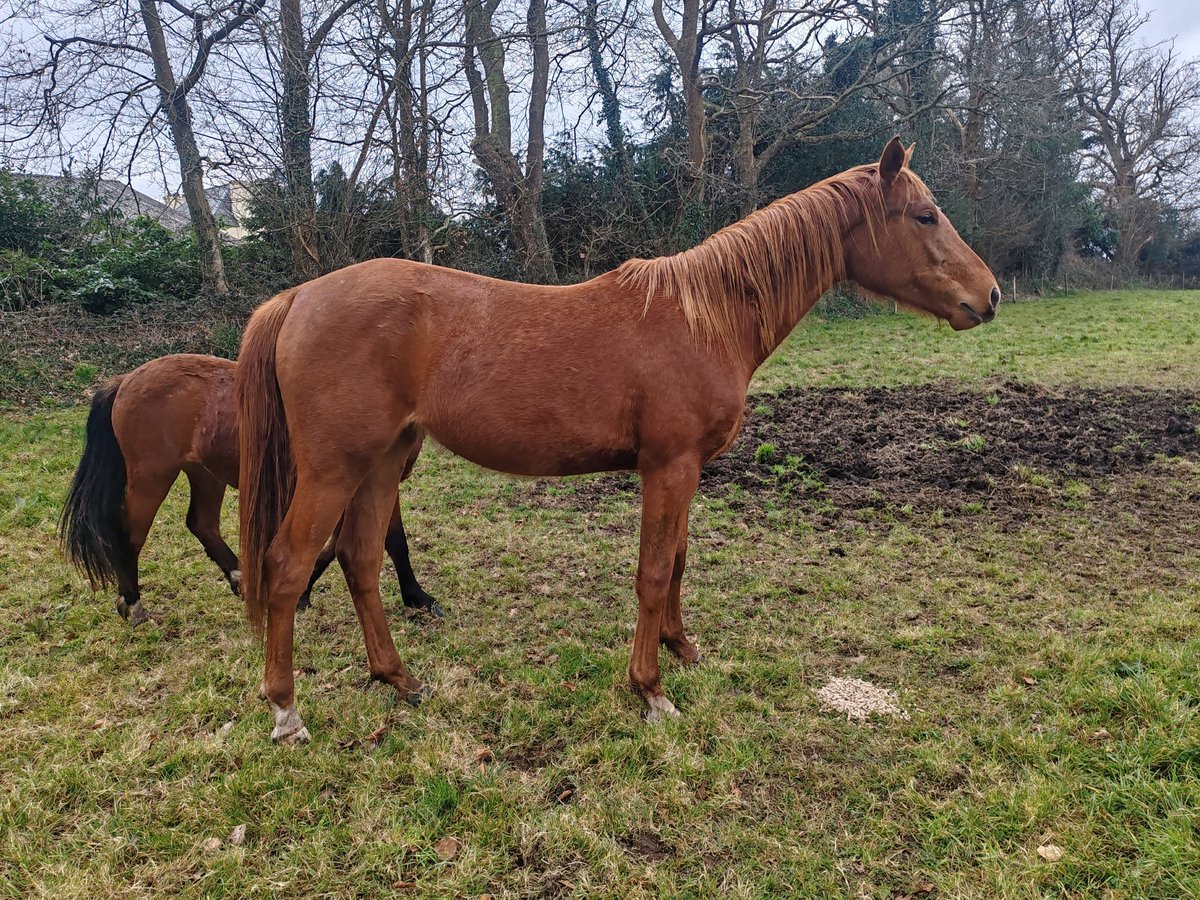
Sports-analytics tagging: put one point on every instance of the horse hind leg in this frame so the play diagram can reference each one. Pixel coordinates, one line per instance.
(144, 494)
(204, 521)
(310, 518)
(396, 544)
(323, 560)
(360, 553)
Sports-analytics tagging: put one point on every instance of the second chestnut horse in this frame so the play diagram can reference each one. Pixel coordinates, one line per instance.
(643, 368)
(170, 415)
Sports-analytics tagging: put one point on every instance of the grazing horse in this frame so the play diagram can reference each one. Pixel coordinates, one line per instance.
(172, 414)
(644, 368)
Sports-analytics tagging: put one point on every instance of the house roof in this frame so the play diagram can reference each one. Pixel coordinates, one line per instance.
(129, 201)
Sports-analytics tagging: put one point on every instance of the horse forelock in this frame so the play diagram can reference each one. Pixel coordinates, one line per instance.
(774, 259)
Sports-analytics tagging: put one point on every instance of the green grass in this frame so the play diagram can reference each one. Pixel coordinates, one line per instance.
(1050, 670)
(1115, 337)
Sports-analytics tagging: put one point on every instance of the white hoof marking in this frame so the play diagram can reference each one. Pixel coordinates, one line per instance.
(660, 708)
(289, 727)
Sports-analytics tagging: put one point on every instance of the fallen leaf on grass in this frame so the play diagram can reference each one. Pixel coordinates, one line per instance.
(212, 845)
(237, 837)
(1029, 680)
(1101, 735)
(924, 887)
(1050, 852)
(446, 848)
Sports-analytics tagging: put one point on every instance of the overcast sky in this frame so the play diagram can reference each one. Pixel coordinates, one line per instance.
(1178, 19)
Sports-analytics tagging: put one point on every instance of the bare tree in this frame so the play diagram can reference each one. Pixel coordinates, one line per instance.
(687, 47)
(518, 192)
(782, 84)
(174, 101)
(296, 54)
(1139, 104)
(103, 65)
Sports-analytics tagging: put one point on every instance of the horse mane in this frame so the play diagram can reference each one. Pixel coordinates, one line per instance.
(774, 260)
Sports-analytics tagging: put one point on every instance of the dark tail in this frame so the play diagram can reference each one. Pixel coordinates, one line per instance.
(92, 528)
(267, 473)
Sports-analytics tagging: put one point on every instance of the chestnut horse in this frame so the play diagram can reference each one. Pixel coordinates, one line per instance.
(644, 368)
(172, 414)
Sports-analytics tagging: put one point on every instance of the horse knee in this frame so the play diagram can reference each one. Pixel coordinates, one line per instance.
(652, 586)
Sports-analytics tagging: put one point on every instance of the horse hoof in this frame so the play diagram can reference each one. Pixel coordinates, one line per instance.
(289, 728)
(304, 602)
(660, 708)
(685, 651)
(133, 613)
(235, 582)
(418, 696)
(425, 602)
(292, 739)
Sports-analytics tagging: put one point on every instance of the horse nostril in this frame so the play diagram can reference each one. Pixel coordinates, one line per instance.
(994, 299)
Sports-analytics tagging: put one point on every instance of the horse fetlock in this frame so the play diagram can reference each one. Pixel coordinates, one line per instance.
(289, 729)
(235, 582)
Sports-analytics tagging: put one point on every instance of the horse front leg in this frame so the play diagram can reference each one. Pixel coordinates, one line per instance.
(672, 634)
(667, 490)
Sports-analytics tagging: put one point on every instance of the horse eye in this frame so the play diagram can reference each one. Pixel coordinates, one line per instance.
(927, 218)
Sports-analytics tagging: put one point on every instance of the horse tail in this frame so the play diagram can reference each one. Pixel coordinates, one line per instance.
(92, 527)
(267, 472)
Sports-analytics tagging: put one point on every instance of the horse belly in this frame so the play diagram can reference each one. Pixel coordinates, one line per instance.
(531, 439)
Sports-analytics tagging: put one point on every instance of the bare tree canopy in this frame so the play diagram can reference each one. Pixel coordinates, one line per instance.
(551, 141)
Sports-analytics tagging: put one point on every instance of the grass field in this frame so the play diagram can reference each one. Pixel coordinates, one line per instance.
(1050, 669)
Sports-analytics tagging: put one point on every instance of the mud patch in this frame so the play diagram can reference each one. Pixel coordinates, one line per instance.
(647, 846)
(930, 444)
(998, 447)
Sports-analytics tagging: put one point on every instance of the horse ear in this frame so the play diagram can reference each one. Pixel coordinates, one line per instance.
(892, 161)
(908, 154)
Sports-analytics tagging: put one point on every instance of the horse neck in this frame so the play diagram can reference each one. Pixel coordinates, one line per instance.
(757, 346)
(746, 287)
(757, 342)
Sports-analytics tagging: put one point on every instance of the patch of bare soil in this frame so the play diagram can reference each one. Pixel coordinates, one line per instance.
(940, 445)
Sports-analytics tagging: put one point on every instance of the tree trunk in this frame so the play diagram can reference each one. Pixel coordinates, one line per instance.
(174, 102)
(686, 48)
(519, 195)
(295, 122)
